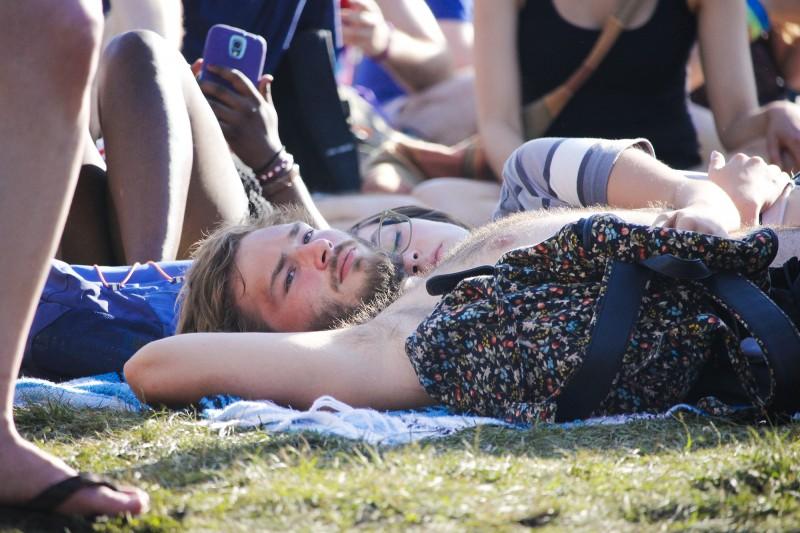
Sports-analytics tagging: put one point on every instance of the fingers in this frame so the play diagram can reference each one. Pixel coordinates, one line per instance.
(265, 87)
(715, 161)
(223, 112)
(665, 220)
(221, 93)
(686, 220)
(240, 83)
(197, 67)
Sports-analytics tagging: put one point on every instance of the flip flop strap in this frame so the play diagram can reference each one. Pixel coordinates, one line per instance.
(56, 494)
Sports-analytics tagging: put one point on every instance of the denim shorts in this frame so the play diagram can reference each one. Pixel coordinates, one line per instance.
(92, 320)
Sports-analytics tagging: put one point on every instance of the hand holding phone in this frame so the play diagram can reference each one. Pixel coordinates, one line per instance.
(236, 49)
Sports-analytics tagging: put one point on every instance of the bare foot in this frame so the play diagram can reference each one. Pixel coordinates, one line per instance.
(27, 471)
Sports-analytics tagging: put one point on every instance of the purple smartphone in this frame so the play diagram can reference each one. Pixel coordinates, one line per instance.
(234, 48)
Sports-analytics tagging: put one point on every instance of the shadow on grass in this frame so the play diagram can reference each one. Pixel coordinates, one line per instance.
(207, 460)
(685, 433)
(15, 520)
(60, 423)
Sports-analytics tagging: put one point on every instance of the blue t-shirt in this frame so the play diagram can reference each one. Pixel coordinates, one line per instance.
(371, 75)
(275, 20)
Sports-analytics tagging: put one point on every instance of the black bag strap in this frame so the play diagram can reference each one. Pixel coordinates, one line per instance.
(616, 318)
(770, 325)
(438, 285)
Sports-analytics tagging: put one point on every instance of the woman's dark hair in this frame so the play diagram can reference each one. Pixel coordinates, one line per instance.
(412, 212)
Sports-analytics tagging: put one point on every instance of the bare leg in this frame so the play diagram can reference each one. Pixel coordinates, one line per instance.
(87, 238)
(35, 191)
(162, 148)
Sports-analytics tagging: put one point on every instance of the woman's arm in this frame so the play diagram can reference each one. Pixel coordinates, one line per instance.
(460, 37)
(497, 80)
(249, 122)
(728, 71)
(289, 368)
(618, 173)
(731, 85)
(413, 48)
(640, 180)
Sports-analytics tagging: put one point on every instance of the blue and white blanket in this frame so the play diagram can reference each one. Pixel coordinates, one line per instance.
(326, 416)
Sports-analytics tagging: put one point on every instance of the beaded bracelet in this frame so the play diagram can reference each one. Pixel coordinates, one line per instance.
(271, 189)
(269, 163)
(279, 168)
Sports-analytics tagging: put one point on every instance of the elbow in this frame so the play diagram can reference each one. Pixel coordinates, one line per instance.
(141, 372)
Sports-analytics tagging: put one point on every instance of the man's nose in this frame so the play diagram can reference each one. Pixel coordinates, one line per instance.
(316, 253)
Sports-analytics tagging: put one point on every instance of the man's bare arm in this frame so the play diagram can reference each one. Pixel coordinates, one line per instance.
(289, 368)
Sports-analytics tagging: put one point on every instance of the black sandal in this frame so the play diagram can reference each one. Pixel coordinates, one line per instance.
(56, 494)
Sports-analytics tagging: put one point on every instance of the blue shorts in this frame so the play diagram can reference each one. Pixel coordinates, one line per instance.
(91, 321)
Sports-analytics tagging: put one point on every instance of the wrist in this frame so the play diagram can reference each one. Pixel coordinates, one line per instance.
(383, 54)
(269, 162)
(278, 169)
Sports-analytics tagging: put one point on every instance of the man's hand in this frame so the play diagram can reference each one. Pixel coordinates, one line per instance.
(783, 134)
(246, 115)
(750, 182)
(364, 27)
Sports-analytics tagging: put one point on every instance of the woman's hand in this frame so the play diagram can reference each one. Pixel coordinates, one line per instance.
(364, 27)
(750, 182)
(246, 114)
(699, 217)
(783, 134)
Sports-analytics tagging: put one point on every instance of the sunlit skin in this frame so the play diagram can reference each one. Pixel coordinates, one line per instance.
(293, 274)
(430, 241)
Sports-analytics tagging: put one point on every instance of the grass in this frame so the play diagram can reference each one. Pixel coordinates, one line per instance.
(683, 474)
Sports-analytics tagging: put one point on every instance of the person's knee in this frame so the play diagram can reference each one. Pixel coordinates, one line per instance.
(133, 49)
(74, 30)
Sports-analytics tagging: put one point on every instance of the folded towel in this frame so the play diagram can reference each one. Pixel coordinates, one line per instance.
(326, 416)
(332, 417)
(105, 391)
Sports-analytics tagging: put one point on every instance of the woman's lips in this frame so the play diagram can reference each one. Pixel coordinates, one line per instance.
(437, 254)
(347, 263)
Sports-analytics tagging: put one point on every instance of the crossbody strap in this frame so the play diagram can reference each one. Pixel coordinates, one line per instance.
(538, 114)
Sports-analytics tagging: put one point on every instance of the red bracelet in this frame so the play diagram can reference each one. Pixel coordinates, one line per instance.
(384, 55)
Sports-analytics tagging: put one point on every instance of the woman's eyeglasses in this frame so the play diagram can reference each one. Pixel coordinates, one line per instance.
(393, 233)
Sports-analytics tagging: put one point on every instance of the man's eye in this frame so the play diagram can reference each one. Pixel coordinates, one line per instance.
(307, 236)
(289, 279)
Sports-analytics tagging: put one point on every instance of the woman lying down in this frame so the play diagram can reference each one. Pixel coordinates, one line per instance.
(512, 341)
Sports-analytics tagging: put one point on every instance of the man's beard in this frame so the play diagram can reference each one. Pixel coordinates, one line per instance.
(384, 273)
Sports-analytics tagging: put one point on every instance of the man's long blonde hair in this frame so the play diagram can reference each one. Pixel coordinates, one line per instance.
(206, 300)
